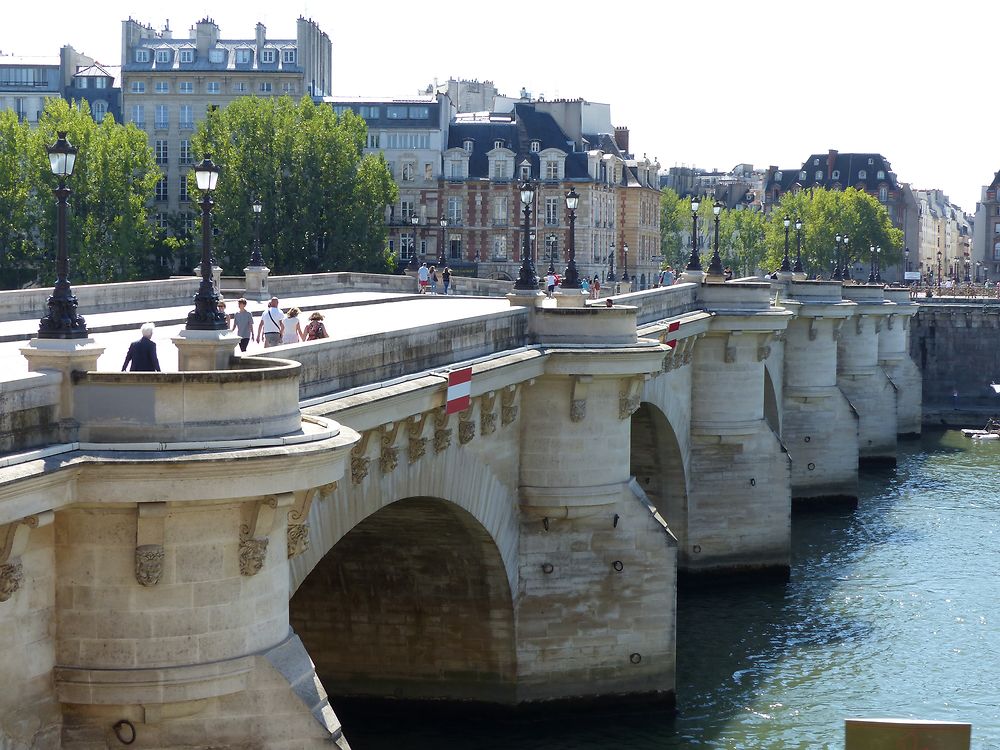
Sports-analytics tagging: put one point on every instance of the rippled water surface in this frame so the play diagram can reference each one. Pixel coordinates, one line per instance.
(892, 610)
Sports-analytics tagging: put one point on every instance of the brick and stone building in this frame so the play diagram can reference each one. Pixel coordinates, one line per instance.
(27, 82)
(169, 84)
(944, 228)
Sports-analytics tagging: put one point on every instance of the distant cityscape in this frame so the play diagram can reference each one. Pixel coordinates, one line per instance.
(459, 150)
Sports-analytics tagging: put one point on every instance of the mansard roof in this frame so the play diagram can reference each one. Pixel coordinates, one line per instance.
(849, 169)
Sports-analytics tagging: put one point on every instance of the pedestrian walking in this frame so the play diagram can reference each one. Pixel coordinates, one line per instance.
(423, 276)
(434, 280)
(142, 353)
(595, 287)
(550, 283)
(291, 331)
(243, 324)
(315, 329)
(270, 325)
(446, 278)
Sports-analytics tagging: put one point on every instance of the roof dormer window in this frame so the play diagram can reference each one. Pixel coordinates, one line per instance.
(498, 143)
(862, 175)
(777, 175)
(187, 55)
(803, 175)
(836, 174)
(880, 175)
(467, 144)
(819, 175)
(536, 146)
(142, 55)
(162, 55)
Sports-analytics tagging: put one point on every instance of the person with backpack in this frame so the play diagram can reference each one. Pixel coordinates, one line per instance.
(315, 329)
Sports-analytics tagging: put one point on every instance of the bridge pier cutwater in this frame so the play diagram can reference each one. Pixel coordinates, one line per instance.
(203, 555)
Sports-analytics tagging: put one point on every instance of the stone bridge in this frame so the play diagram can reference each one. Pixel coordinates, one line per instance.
(197, 558)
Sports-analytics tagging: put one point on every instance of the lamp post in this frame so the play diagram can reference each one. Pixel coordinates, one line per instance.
(694, 262)
(878, 264)
(206, 315)
(256, 259)
(611, 263)
(527, 280)
(939, 271)
(625, 259)
(62, 320)
(552, 255)
(906, 263)
(798, 247)
(978, 264)
(968, 278)
(415, 221)
(443, 222)
(786, 264)
(837, 276)
(715, 267)
(571, 279)
(847, 258)
(871, 264)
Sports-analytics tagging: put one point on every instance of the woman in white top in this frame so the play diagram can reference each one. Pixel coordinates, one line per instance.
(291, 330)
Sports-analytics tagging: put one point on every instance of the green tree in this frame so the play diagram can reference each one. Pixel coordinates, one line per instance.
(323, 199)
(21, 167)
(108, 234)
(675, 222)
(741, 241)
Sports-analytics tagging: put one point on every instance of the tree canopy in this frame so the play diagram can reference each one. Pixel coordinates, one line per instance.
(323, 199)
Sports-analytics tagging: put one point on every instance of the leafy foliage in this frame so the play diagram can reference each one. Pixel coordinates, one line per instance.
(323, 199)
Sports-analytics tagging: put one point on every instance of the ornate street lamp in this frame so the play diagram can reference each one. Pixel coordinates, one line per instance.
(837, 276)
(443, 222)
(625, 260)
(871, 264)
(571, 279)
(715, 267)
(206, 315)
(611, 263)
(939, 270)
(906, 262)
(527, 279)
(62, 320)
(798, 246)
(968, 265)
(786, 264)
(847, 258)
(256, 259)
(878, 264)
(552, 253)
(694, 262)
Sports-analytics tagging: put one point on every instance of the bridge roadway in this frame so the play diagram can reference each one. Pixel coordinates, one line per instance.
(347, 315)
(182, 554)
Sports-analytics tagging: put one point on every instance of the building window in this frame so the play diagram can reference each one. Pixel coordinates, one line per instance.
(184, 152)
(454, 210)
(500, 211)
(100, 82)
(161, 191)
(187, 117)
(455, 171)
(216, 55)
(267, 56)
(187, 55)
(185, 87)
(819, 175)
(188, 222)
(288, 87)
(162, 121)
(552, 212)
(499, 169)
(498, 144)
(499, 247)
(836, 174)
(142, 55)
(81, 83)
(244, 56)
(240, 87)
(862, 175)
(139, 115)
(536, 146)
(406, 246)
(213, 87)
(138, 87)
(551, 169)
(182, 188)
(455, 248)
(407, 171)
(419, 113)
(161, 151)
(265, 87)
(373, 140)
(99, 110)
(803, 175)
(369, 113)
(467, 145)
(883, 195)
(525, 171)
(288, 56)
(162, 87)
(406, 210)
(162, 55)
(397, 113)
(880, 175)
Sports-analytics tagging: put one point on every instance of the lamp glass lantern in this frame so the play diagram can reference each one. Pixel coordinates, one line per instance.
(206, 175)
(572, 199)
(62, 157)
(527, 193)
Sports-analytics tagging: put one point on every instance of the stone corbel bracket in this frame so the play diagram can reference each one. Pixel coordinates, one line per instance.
(878, 324)
(487, 417)
(764, 348)
(731, 346)
(442, 433)
(859, 324)
(13, 542)
(388, 458)
(837, 326)
(578, 402)
(508, 407)
(890, 321)
(631, 396)
(149, 532)
(814, 327)
(359, 459)
(417, 446)
(298, 527)
(466, 427)
(257, 520)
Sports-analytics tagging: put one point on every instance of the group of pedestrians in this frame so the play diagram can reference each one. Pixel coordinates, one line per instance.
(427, 279)
(273, 329)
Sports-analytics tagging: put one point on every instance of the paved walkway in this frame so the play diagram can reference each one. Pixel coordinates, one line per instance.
(347, 315)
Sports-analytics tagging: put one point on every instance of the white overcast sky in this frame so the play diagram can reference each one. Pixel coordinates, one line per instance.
(703, 83)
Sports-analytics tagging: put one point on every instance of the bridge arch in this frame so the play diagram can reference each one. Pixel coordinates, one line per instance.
(772, 406)
(657, 463)
(413, 603)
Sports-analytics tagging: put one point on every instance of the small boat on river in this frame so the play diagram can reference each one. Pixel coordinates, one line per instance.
(990, 432)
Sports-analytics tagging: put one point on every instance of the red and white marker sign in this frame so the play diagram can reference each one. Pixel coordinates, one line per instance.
(459, 390)
(671, 328)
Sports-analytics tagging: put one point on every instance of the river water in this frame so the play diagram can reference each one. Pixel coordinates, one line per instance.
(891, 610)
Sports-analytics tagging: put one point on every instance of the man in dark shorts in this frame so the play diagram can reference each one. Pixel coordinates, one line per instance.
(243, 324)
